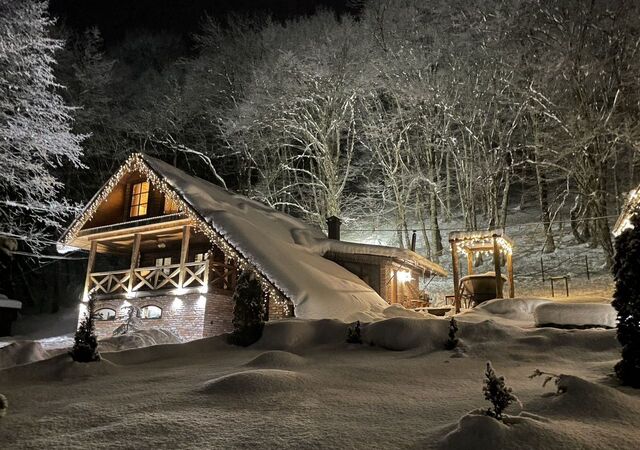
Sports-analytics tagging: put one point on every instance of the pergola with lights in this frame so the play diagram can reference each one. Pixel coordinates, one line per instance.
(491, 242)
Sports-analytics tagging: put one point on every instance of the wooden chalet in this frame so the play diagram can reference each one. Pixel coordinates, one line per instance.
(170, 246)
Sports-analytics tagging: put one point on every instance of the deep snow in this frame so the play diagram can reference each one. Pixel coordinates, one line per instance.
(301, 385)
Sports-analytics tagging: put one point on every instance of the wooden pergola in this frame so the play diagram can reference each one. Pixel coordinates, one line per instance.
(469, 243)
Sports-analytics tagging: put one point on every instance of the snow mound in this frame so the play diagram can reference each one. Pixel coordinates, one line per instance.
(277, 359)
(584, 400)
(575, 315)
(407, 333)
(291, 334)
(21, 352)
(479, 431)
(578, 417)
(60, 367)
(138, 339)
(512, 308)
(255, 382)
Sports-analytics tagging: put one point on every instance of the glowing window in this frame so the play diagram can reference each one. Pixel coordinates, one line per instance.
(170, 206)
(161, 262)
(139, 199)
(150, 312)
(105, 314)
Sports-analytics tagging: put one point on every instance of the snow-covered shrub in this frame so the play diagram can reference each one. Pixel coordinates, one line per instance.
(249, 310)
(626, 300)
(548, 377)
(85, 346)
(452, 342)
(496, 391)
(354, 335)
(4, 405)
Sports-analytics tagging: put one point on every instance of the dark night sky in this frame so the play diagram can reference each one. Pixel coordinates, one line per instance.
(115, 18)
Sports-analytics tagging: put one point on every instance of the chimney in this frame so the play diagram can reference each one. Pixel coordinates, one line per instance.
(333, 226)
(413, 241)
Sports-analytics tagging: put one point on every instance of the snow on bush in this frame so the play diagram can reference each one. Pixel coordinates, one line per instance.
(575, 315)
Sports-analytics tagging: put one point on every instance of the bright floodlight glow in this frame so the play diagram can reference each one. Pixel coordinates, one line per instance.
(176, 304)
(203, 289)
(404, 276)
(202, 301)
(179, 291)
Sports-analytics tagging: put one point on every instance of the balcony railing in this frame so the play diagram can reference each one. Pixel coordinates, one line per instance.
(199, 274)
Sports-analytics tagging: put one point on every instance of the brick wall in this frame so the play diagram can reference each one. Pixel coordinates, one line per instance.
(190, 316)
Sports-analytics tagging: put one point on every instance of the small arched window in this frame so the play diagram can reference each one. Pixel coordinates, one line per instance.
(105, 314)
(151, 312)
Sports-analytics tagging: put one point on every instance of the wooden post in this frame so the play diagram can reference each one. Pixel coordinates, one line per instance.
(470, 256)
(456, 274)
(496, 266)
(184, 253)
(135, 253)
(90, 263)
(512, 288)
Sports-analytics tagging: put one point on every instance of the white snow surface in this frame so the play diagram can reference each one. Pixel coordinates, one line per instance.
(575, 314)
(303, 386)
(286, 250)
(8, 303)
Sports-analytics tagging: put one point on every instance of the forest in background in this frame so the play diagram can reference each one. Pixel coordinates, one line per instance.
(394, 114)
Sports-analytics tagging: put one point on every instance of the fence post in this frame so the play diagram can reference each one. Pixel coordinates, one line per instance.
(586, 263)
(542, 268)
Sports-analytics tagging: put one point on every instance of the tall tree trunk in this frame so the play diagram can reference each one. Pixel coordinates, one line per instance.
(423, 228)
(543, 199)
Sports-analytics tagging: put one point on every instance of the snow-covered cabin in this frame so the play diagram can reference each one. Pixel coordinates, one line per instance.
(171, 245)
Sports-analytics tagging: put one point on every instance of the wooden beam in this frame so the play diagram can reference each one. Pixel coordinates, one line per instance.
(184, 253)
(512, 289)
(456, 274)
(498, 270)
(470, 263)
(135, 253)
(90, 263)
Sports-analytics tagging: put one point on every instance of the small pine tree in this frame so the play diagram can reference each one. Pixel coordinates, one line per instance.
(354, 335)
(4, 405)
(497, 392)
(452, 342)
(626, 300)
(249, 310)
(85, 346)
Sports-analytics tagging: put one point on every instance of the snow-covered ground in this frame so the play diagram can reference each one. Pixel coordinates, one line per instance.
(302, 386)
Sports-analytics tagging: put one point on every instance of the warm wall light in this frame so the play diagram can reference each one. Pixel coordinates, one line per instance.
(404, 276)
(176, 304)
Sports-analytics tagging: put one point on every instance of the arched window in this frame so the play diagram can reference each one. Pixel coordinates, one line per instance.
(151, 312)
(105, 314)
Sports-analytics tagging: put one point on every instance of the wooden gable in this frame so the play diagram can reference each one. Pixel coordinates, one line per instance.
(116, 207)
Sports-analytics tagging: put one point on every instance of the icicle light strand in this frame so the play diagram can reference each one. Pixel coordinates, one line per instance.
(136, 163)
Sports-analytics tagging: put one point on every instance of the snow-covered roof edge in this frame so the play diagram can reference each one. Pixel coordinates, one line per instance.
(404, 255)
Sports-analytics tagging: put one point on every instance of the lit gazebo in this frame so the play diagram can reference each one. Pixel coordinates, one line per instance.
(472, 243)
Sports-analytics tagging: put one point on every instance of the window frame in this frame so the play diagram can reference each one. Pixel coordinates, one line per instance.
(136, 202)
(142, 313)
(96, 314)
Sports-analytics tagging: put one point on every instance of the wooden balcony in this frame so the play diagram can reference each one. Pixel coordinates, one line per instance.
(189, 277)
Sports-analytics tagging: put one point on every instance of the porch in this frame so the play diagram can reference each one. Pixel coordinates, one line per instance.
(142, 261)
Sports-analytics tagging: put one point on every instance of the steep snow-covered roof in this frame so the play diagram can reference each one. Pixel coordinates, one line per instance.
(281, 247)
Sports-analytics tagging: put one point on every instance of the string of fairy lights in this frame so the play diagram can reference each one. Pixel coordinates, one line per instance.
(136, 163)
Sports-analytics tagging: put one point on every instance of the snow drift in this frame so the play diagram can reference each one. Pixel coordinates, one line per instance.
(577, 417)
(575, 315)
